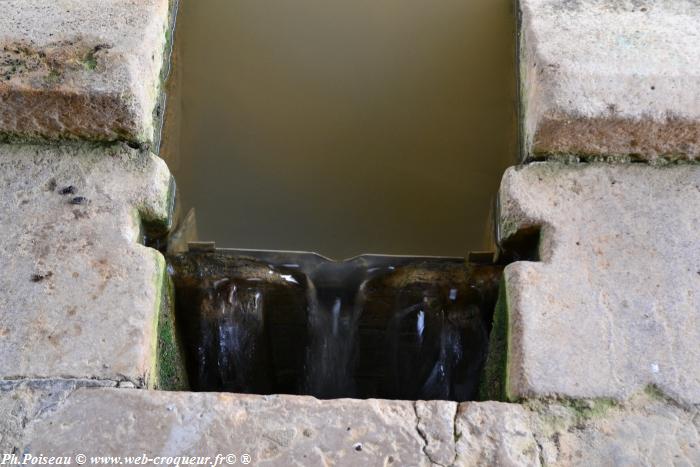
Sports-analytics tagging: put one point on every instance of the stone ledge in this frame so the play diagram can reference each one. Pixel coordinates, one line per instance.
(293, 430)
(274, 430)
(81, 69)
(610, 78)
(614, 304)
(79, 297)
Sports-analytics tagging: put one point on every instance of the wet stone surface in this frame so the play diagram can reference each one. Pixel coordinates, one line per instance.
(369, 327)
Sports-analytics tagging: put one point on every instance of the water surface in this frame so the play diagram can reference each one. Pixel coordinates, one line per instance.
(345, 126)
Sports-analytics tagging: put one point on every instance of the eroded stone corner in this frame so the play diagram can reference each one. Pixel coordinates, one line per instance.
(89, 72)
(609, 79)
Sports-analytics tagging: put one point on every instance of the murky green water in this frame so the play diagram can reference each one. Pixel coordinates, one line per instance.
(344, 126)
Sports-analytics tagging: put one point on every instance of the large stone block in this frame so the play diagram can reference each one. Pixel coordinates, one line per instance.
(291, 430)
(610, 78)
(273, 430)
(81, 69)
(79, 297)
(614, 303)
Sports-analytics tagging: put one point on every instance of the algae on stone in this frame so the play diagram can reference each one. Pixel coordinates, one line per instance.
(495, 374)
(171, 374)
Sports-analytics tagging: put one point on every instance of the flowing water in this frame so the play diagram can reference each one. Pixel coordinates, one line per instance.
(342, 126)
(298, 323)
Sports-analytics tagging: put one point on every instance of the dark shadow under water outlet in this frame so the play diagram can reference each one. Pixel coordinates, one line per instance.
(298, 323)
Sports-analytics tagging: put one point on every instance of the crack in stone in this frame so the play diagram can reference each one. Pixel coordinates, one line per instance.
(426, 442)
(422, 435)
(540, 451)
(10, 383)
(455, 435)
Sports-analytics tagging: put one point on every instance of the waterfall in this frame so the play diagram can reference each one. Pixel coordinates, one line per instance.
(373, 326)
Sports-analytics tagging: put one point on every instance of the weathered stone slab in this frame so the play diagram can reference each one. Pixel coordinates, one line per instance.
(79, 297)
(610, 78)
(273, 430)
(614, 304)
(646, 430)
(494, 433)
(81, 69)
(293, 430)
(22, 401)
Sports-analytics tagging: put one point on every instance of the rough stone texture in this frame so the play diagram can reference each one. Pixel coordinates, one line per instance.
(22, 401)
(81, 69)
(647, 431)
(293, 430)
(273, 430)
(610, 78)
(79, 297)
(494, 433)
(614, 304)
(436, 420)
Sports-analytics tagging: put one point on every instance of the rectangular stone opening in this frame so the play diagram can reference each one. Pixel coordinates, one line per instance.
(342, 129)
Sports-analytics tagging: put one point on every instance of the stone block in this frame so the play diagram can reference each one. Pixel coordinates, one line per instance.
(82, 69)
(273, 430)
(613, 305)
(79, 296)
(645, 430)
(494, 433)
(292, 430)
(603, 78)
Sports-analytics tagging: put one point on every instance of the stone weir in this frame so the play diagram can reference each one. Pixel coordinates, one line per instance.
(371, 326)
(594, 347)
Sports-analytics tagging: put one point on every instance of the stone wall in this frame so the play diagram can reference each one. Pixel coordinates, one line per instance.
(594, 357)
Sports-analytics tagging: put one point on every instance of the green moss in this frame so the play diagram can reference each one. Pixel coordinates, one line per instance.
(578, 158)
(589, 409)
(170, 367)
(558, 415)
(654, 393)
(494, 378)
(90, 61)
(53, 77)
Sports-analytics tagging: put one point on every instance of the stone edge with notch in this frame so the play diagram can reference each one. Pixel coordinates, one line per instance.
(79, 296)
(613, 305)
